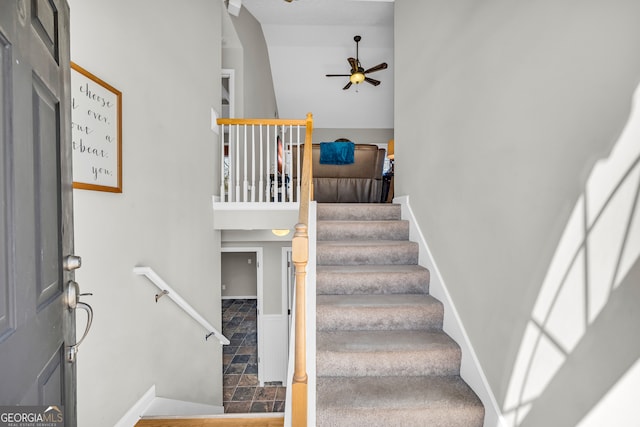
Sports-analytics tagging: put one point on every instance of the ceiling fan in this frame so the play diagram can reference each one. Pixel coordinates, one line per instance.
(358, 73)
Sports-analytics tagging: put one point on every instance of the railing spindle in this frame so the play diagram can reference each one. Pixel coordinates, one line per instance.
(253, 164)
(261, 183)
(275, 165)
(237, 156)
(222, 189)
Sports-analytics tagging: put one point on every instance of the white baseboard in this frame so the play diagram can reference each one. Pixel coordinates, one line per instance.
(137, 410)
(162, 407)
(470, 370)
(240, 297)
(150, 405)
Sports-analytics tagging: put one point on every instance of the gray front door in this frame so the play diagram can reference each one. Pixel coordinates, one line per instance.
(36, 229)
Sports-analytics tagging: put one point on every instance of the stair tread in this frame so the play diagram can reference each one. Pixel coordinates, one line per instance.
(363, 230)
(358, 211)
(359, 252)
(365, 243)
(384, 341)
(376, 300)
(373, 222)
(394, 392)
(372, 279)
(370, 269)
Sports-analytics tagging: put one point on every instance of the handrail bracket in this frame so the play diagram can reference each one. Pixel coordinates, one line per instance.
(161, 294)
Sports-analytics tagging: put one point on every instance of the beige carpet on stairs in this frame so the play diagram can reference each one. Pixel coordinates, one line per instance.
(382, 356)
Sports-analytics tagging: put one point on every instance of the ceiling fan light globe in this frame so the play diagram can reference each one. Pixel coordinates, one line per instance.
(356, 78)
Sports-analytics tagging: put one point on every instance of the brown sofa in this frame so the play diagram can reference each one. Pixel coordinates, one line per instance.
(359, 182)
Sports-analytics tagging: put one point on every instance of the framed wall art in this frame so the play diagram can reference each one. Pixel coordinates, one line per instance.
(96, 131)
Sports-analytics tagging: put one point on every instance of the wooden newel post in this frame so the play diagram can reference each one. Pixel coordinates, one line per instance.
(300, 256)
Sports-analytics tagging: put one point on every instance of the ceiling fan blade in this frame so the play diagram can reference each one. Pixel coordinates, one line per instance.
(354, 64)
(378, 67)
(347, 86)
(372, 81)
(338, 75)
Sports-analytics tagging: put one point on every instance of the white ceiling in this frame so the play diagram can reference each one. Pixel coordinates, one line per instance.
(310, 38)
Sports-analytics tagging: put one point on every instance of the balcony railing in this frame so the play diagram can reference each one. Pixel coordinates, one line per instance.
(257, 159)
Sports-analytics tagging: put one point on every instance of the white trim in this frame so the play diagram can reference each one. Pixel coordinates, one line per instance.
(133, 415)
(311, 318)
(471, 369)
(220, 205)
(241, 297)
(284, 274)
(163, 407)
(274, 357)
(230, 73)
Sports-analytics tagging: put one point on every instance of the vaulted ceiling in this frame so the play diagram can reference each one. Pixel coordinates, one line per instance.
(310, 38)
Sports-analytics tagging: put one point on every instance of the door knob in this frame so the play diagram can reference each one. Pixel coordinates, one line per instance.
(71, 262)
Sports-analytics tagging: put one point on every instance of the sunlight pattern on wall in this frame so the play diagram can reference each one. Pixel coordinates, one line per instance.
(619, 405)
(599, 245)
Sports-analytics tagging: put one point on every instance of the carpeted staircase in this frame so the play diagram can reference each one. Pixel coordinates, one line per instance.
(382, 357)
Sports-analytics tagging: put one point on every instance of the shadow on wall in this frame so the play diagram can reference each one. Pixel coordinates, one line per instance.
(580, 347)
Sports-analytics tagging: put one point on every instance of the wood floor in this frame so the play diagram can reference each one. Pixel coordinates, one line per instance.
(239, 421)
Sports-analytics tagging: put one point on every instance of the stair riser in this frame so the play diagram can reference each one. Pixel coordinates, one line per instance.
(402, 253)
(328, 283)
(363, 230)
(330, 318)
(358, 212)
(445, 361)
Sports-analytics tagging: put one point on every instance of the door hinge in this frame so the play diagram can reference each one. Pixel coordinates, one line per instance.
(289, 312)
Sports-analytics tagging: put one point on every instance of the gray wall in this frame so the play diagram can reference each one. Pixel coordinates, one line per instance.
(255, 97)
(238, 274)
(502, 112)
(272, 271)
(165, 58)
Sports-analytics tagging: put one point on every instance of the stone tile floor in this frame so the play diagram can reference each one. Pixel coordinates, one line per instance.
(242, 393)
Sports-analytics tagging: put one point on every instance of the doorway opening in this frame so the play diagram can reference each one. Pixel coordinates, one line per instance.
(243, 371)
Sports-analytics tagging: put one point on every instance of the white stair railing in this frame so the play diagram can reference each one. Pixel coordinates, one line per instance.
(167, 290)
(258, 157)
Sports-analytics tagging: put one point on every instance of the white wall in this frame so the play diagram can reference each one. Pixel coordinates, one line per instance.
(495, 141)
(165, 58)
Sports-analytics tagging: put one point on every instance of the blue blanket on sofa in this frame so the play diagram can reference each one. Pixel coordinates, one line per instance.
(336, 153)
